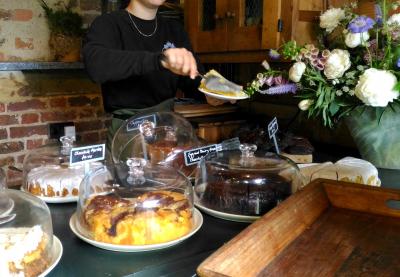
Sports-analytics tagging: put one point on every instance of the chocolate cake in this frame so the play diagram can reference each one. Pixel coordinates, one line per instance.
(245, 193)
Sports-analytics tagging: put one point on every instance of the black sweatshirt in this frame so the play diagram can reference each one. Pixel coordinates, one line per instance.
(127, 64)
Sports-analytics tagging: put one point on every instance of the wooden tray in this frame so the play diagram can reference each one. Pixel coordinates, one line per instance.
(329, 228)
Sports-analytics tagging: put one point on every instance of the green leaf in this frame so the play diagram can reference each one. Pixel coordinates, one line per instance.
(333, 108)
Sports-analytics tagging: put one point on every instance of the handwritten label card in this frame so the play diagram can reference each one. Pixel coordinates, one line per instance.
(87, 154)
(134, 123)
(194, 156)
(272, 130)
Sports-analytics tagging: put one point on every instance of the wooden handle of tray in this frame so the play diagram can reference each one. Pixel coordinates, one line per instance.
(362, 198)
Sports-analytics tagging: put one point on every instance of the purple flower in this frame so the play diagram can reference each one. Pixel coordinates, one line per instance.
(281, 89)
(398, 63)
(361, 24)
(273, 54)
(378, 14)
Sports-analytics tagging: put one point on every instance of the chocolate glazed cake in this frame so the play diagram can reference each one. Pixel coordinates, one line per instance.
(245, 193)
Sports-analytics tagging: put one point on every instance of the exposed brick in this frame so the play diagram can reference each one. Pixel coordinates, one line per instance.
(64, 115)
(3, 134)
(24, 44)
(58, 102)
(20, 159)
(14, 183)
(79, 101)
(22, 15)
(2, 108)
(11, 147)
(21, 132)
(33, 104)
(90, 5)
(92, 137)
(8, 120)
(24, 91)
(103, 135)
(33, 143)
(13, 174)
(2, 57)
(29, 118)
(86, 113)
(5, 14)
(92, 125)
(7, 161)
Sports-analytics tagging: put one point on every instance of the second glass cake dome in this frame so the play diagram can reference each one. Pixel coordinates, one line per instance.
(245, 182)
(160, 138)
(135, 203)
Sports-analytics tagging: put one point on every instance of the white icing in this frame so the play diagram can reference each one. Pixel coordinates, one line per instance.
(58, 177)
(15, 243)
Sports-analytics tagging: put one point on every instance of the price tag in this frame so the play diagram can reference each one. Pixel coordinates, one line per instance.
(194, 156)
(87, 154)
(272, 130)
(134, 124)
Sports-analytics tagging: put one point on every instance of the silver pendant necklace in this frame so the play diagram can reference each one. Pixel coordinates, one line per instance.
(140, 32)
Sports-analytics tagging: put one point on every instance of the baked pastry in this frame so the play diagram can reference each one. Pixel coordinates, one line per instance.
(23, 251)
(150, 218)
(55, 180)
(238, 193)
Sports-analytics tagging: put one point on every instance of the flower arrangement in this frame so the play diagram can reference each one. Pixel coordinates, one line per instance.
(357, 64)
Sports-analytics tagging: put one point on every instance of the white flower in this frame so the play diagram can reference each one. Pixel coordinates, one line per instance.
(297, 71)
(305, 104)
(375, 87)
(266, 65)
(339, 92)
(330, 19)
(337, 64)
(353, 40)
(394, 19)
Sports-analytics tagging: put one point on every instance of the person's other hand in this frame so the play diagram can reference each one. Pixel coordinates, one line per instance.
(216, 102)
(180, 61)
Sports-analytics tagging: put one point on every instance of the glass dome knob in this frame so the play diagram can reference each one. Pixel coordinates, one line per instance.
(67, 144)
(248, 149)
(136, 171)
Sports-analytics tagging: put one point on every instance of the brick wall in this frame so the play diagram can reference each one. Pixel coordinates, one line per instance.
(29, 101)
(24, 119)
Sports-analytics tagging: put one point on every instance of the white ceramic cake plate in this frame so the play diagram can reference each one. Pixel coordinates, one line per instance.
(222, 215)
(55, 256)
(73, 224)
(55, 199)
(224, 97)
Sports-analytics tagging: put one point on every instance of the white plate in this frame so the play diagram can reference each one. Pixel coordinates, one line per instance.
(73, 224)
(55, 199)
(224, 97)
(222, 215)
(55, 256)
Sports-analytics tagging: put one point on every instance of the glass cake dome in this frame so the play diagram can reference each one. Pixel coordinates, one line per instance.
(245, 182)
(26, 234)
(48, 174)
(135, 203)
(158, 137)
(2, 179)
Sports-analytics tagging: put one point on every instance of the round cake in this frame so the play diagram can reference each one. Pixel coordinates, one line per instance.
(245, 193)
(55, 180)
(150, 218)
(23, 251)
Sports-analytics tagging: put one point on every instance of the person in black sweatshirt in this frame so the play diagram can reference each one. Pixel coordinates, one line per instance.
(140, 59)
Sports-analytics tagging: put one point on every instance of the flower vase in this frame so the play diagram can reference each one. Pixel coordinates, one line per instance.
(377, 135)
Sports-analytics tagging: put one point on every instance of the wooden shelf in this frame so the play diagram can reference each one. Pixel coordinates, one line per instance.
(20, 66)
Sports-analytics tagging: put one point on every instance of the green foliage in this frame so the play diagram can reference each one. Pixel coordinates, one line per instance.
(63, 21)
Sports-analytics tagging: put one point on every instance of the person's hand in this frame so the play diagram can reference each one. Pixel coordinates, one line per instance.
(216, 102)
(180, 61)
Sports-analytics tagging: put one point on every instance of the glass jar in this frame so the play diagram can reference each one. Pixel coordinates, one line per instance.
(26, 234)
(245, 182)
(160, 138)
(135, 203)
(48, 174)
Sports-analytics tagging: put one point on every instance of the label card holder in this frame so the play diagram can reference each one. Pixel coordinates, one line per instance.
(272, 130)
(134, 123)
